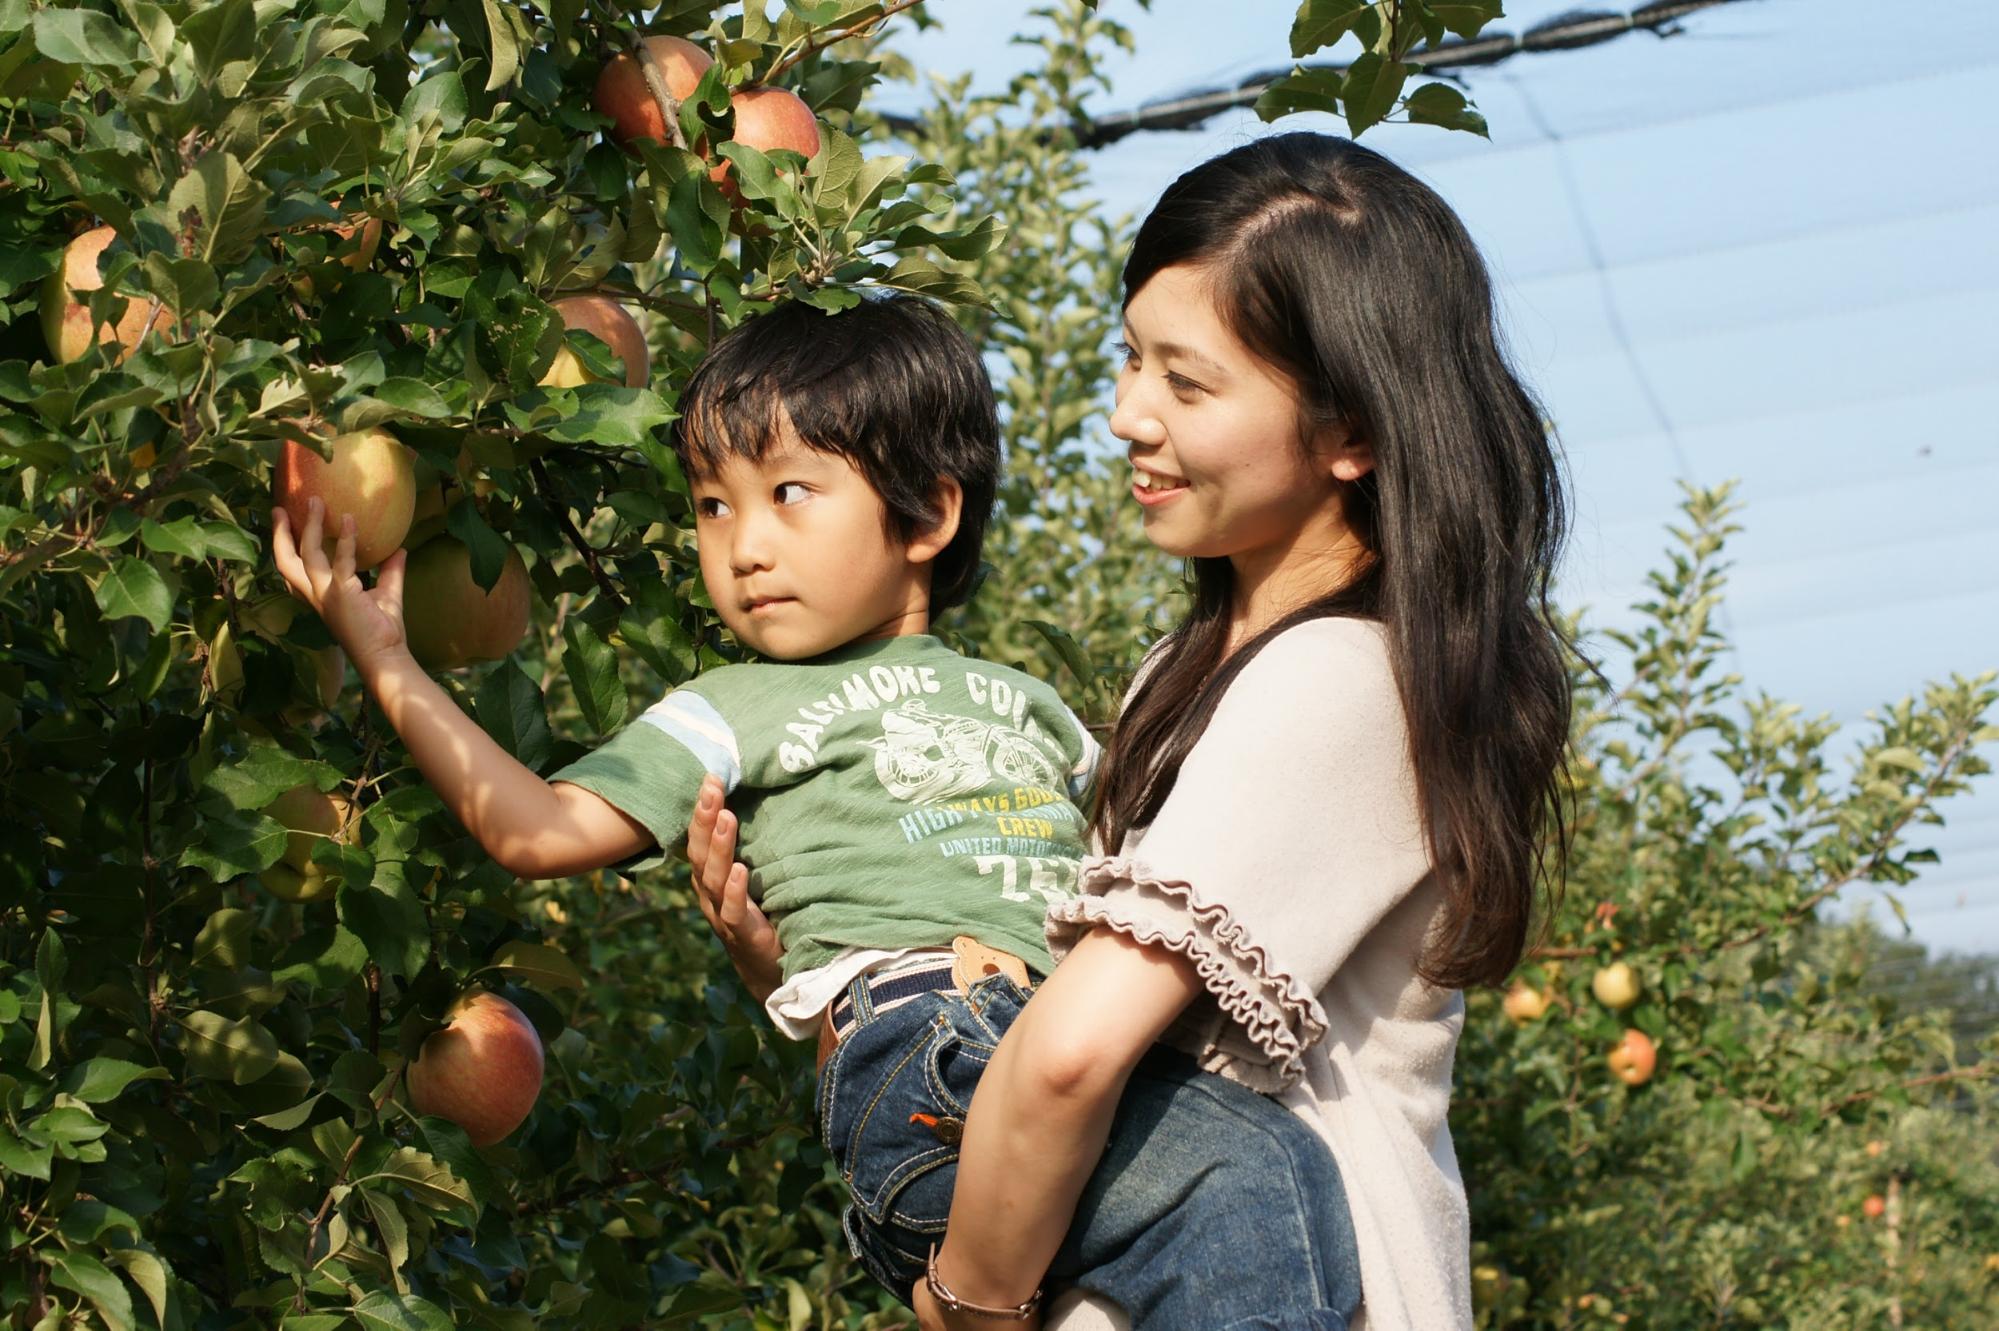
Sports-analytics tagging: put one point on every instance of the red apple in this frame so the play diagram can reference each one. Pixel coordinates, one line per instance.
(768, 119)
(622, 93)
(367, 473)
(66, 321)
(1874, 1207)
(607, 321)
(481, 1069)
(310, 816)
(1634, 1058)
(448, 620)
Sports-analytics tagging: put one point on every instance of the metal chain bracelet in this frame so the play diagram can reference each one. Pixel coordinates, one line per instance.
(952, 1303)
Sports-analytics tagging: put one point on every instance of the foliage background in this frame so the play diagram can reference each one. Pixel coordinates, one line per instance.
(200, 1118)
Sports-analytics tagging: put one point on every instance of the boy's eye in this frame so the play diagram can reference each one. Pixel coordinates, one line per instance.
(795, 489)
(709, 508)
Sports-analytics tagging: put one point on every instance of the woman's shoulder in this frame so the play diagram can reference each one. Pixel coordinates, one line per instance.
(1335, 656)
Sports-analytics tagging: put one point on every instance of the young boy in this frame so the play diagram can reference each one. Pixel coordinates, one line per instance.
(908, 813)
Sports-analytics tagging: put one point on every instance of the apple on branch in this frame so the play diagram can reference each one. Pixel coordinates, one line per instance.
(1634, 1059)
(66, 320)
(310, 816)
(367, 473)
(448, 619)
(481, 1069)
(623, 94)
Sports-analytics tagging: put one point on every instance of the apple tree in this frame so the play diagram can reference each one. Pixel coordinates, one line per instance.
(232, 911)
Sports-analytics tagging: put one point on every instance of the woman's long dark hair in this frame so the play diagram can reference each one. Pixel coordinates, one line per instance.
(1344, 271)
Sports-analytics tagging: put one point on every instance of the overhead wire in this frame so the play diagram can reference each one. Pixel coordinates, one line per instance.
(1565, 32)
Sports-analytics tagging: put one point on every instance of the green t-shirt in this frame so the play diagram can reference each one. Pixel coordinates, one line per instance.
(891, 793)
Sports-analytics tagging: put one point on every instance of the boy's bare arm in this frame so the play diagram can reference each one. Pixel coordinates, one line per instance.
(532, 828)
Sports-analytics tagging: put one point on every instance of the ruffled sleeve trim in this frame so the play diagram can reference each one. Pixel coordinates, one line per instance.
(1269, 1019)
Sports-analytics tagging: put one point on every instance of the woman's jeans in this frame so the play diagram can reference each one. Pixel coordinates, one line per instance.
(1214, 1208)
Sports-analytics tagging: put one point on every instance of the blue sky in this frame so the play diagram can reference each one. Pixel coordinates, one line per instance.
(1767, 249)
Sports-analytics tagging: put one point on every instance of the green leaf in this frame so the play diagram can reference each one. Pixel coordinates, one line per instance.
(510, 709)
(428, 1179)
(234, 1051)
(344, 957)
(395, 1233)
(185, 286)
(388, 918)
(486, 548)
(102, 1079)
(84, 37)
(383, 1311)
(144, 1268)
(1466, 18)
(1370, 89)
(593, 675)
(1441, 104)
(181, 537)
(1300, 90)
(502, 46)
(83, 1274)
(236, 843)
(264, 772)
(135, 587)
(224, 939)
(697, 234)
(28, 1159)
(538, 964)
(229, 202)
(1320, 23)
(226, 540)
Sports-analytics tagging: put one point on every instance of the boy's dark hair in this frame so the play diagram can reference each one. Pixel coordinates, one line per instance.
(891, 384)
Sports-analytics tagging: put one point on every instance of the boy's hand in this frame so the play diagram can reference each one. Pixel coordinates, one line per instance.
(722, 886)
(368, 623)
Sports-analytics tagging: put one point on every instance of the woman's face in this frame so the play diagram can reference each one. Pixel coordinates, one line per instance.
(1213, 431)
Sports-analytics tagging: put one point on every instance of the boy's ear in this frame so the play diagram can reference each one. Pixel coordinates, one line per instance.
(929, 543)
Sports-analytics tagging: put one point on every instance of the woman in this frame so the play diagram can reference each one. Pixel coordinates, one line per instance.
(1333, 790)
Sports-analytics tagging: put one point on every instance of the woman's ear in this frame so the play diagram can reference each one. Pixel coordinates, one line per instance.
(1347, 456)
(929, 543)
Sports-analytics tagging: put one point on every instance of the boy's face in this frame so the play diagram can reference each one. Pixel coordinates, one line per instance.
(796, 555)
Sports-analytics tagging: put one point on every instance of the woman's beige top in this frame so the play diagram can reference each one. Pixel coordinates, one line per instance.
(1289, 864)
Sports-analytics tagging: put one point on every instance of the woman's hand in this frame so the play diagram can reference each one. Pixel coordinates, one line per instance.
(722, 886)
(367, 622)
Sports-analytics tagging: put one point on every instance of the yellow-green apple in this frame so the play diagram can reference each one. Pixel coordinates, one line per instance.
(1523, 1002)
(610, 324)
(768, 119)
(622, 93)
(1875, 1148)
(309, 816)
(481, 1069)
(448, 620)
(1634, 1058)
(66, 320)
(367, 473)
(1616, 986)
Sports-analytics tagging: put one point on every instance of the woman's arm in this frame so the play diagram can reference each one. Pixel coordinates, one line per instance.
(1043, 1112)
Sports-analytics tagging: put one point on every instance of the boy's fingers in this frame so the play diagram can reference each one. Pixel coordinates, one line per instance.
(389, 585)
(721, 853)
(284, 553)
(736, 906)
(312, 548)
(343, 549)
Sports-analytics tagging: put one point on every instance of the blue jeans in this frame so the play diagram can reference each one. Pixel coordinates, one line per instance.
(1213, 1208)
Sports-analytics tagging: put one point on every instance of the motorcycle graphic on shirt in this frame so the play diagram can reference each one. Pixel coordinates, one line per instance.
(924, 757)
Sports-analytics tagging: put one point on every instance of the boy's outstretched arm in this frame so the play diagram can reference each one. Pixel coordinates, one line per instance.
(530, 827)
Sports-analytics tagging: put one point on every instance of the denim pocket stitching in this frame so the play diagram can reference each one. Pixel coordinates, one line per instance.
(875, 1206)
(940, 1094)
